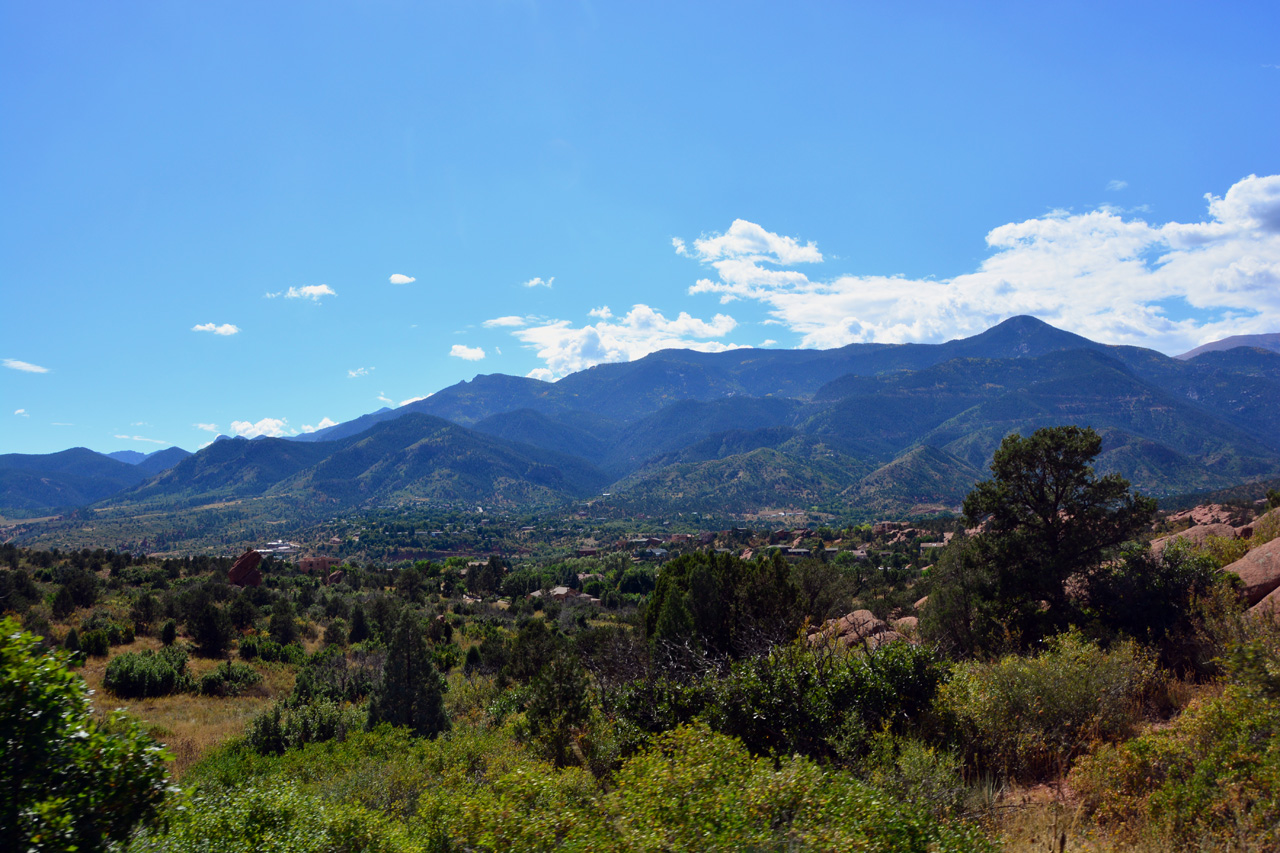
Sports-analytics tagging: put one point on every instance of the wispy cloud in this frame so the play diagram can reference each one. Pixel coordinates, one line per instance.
(140, 438)
(538, 282)
(206, 427)
(224, 329)
(397, 278)
(314, 292)
(1097, 273)
(510, 321)
(468, 353)
(566, 349)
(602, 312)
(21, 413)
(1116, 185)
(24, 366)
(359, 371)
(413, 400)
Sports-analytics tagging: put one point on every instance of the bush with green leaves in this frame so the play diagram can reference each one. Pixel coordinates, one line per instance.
(137, 675)
(271, 818)
(228, 679)
(256, 647)
(1027, 717)
(291, 726)
(820, 702)
(69, 780)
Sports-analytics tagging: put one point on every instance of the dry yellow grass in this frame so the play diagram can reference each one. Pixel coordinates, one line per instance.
(187, 724)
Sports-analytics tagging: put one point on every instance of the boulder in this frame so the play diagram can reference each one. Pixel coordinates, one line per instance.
(1260, 571)
(849, 629)
(919, 605)
(1197, 535)
(875, 641)
(906, 624)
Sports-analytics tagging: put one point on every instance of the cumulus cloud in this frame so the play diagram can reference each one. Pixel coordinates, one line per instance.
(206, 427)
(602, 313)
(24, 366)
(325, 423)
(542, 374)
(397, 278)
(21, 413)
(314, 292)
(413, 400)
(141, 438)
(1116, 185)
(224, 329)
(643, 330)
(538, 282)
(510, 321)
(469, 353)
(1096, 273)
(358, 372)
(272, 427)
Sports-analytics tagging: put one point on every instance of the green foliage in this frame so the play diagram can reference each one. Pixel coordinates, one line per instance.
(331, 675)
(255, 647)
(95, 643)
(228, 679)
(289, 727)
(411, 691)
(283, 626)
(558, 706)
(69, 781)
(274, 818)
(1046, 522)
(137, 675)
(721, 607)
(211, 629)
(1209, 779)
(1027, 717)
(817, 702)
(168, 632)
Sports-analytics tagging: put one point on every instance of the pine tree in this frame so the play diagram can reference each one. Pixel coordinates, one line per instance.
(411, 692)
(359, 626)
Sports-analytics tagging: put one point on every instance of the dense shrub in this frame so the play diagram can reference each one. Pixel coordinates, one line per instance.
(288, 727)
(812, 701)
(269, 651)
(147, 673)
(95, 643)
(228, 679)
(168, 632)
(69, 781)
(1027, 717)
(330, 675)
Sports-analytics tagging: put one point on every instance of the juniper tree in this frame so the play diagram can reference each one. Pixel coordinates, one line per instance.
(411, 691)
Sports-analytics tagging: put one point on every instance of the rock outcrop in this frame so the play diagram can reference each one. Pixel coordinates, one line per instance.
(1197, 535)
(1260, 571)
(244, 572)
(858, 627)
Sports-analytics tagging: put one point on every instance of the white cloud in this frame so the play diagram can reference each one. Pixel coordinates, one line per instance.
(141, 438)
(642, 331)
(325, 423)
(59, 423)
(1116, 185)
(314, 292)
(469, 353)
(1095, 273)
(273, 427)
(358, 372)
(224, 329)
(412, 400)
(385, 399)
(679, 246)
(769, 343)
(24, 366)
(140, 423)
(538, 282)
(542, 374)
(206, 427)
(397, 278)
(21, 413)
(506, 322)
(602, 312)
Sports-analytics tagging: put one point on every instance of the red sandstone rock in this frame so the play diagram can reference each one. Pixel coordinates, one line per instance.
(244, 572)
(1260, 571)
(1195, 535)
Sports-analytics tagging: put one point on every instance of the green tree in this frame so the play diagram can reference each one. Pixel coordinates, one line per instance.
(411, 691)
(69, 782)
(283, 627)
(1047, 523)
(558, 706)
(211, 629)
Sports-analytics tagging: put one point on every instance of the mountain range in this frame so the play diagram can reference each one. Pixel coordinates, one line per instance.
(866, 429)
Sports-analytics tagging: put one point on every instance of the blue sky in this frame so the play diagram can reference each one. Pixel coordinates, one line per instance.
(205, 208)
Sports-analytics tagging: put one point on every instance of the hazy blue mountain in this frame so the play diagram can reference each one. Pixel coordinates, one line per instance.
(162, 460)
(68, 478)
(1268, 342)
(128, 457)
